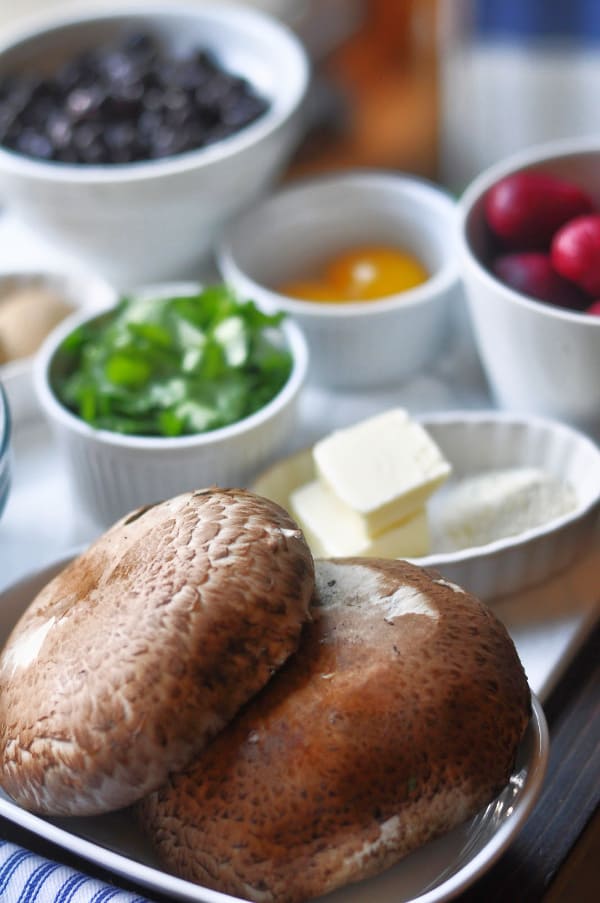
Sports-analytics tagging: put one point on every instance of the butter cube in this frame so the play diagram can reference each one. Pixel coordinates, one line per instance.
(383, 469)
(331, 529)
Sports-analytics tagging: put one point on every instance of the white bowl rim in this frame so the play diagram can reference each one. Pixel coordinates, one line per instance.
(528, 421)
(71, 422)
(430, 290)
(143, 170)
(539, 154)
(5, 423)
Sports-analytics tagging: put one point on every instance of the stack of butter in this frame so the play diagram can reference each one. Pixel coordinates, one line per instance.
(372, 484)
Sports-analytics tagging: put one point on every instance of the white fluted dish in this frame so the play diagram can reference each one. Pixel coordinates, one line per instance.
(474, 441)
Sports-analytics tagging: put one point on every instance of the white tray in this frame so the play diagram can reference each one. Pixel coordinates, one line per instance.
(434, 873)
(548, 622)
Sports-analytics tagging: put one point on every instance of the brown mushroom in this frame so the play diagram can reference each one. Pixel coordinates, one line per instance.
(398, 717)
(132, 658)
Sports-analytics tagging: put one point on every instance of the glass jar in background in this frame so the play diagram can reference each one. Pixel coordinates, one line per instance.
(377, 92)
(514, 73)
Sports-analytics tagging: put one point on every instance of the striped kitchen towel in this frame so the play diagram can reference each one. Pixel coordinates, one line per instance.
(28, 878)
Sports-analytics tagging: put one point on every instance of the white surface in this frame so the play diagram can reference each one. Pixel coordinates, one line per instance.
(432, 874)
(157, 219)
(298, 229)
(539, 358)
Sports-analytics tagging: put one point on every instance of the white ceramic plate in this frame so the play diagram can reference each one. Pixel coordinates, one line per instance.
(475, 441)
(435, 873)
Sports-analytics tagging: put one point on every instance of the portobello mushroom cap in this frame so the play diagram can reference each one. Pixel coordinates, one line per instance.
(399, 717)
(132, 658)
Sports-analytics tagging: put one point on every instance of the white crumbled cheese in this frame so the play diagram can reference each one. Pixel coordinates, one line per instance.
(332, 529)
(384, 468)
(499, 503)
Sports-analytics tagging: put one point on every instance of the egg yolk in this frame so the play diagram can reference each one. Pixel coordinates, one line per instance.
(361, 274)
(368, 273)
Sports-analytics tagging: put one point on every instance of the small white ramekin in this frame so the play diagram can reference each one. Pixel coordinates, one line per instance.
(359, 344)
(112, 474)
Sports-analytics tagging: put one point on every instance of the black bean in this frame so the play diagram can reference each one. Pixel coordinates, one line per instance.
(152, 99)
(141, 48)
(175, 100)
(8, 123)
(34, 144)
(241, 112)
(66, 155)
(148, 122)
(59, 130)
(86, 134)
(119, 136)
(125, 102)
(83, 103)
(92, 153)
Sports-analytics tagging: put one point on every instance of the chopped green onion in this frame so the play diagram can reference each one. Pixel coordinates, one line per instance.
(172, 366)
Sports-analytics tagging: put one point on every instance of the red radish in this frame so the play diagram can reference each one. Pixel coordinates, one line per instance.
(576, 252)
(532, 273)
(593, 309)
(525, 209)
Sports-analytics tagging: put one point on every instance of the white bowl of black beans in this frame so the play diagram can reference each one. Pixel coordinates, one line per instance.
(130, 138)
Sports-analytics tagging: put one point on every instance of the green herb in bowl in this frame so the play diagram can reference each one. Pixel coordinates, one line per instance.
(173, 366)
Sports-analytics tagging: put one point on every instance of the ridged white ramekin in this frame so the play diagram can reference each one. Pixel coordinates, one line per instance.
(113, 474)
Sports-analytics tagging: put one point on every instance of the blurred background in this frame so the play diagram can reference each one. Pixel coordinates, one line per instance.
(441, 88)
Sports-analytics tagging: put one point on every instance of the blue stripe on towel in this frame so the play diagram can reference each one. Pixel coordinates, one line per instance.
(35, 881)
(10, 866)
(26, 877)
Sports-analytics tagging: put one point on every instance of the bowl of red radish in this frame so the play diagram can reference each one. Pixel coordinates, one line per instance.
(529, 238)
